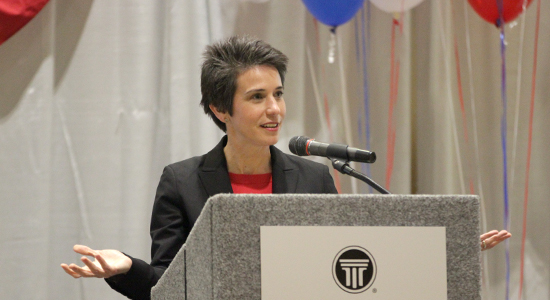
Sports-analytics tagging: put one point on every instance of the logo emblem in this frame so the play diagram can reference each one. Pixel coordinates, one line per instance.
(354, 269)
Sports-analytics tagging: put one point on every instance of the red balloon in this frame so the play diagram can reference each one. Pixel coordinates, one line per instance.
(488, 9)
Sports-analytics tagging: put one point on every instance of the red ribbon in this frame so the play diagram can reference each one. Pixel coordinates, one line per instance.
(529, 146)
(394, 89)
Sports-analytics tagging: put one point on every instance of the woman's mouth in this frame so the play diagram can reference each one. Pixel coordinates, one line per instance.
(271, 126)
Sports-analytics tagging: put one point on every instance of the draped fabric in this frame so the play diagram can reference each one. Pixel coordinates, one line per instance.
(96, 97)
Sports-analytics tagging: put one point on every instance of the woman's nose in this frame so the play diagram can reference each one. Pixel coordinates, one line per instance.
(273, 106)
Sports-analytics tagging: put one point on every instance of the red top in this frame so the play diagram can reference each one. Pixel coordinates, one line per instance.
(251, 184)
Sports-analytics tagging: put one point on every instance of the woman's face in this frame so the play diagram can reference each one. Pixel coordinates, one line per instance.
(258, 108)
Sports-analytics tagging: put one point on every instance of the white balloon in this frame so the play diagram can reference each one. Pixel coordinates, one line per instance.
(395, 6)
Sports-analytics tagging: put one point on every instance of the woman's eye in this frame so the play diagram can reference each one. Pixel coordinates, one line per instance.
(257, 96)
(279, 94)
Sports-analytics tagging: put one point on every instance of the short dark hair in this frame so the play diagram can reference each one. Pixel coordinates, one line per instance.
(224, 61)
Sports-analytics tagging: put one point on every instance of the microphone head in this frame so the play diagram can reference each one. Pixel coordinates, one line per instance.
(298, 144)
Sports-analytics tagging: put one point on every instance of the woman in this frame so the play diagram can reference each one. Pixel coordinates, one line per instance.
(242, 85)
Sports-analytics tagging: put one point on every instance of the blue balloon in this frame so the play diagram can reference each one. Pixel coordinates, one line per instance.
(333, 12)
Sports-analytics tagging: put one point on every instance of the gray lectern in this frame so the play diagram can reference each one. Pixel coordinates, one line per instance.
(221, 259)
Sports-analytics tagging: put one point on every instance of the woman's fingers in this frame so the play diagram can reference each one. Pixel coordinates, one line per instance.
(107, 263)
(84, 250)
(493, 239)
(90, 270)
(69, 271)
(488, 234)
(83, 272)
(97, 271)
(501, 236)
(485, 239)
(107, 268)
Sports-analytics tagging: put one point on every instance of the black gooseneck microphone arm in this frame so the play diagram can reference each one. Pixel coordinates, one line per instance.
(303, 146)
(344, 168)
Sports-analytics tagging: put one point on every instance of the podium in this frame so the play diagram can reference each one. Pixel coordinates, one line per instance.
(222, 256)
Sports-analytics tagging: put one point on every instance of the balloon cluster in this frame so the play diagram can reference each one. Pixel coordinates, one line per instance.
(337, 12)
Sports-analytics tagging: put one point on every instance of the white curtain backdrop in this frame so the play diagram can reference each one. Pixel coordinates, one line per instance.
(96, 97)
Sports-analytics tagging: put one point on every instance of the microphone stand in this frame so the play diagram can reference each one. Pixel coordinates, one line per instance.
(344, 168)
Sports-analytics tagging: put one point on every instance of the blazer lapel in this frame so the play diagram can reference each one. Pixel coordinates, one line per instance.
(213, 173)
(215, 177)
(285, 176)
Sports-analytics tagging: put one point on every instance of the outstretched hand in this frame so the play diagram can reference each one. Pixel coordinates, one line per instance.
(493, 238)
(106, 263)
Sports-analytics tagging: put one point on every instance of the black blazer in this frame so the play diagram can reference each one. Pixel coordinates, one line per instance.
(182, 192)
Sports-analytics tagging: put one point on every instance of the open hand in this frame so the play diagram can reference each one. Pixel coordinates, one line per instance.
(493, 238)
(106, 263)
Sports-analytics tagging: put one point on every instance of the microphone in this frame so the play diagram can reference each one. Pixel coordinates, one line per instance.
(302, 146)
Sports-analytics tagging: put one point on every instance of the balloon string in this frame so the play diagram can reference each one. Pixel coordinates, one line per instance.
(503, 127)
(358, 53)
(345, 102)
(394, 85)
(485, 265)
(332, 45)
(447, 61)
(317, 37)
(356, 32)
(358, 62)
(460, 93)
(326, 107)
(462, 107)
(365, 43)
(518, 97)
(530, 140)
(450, 106)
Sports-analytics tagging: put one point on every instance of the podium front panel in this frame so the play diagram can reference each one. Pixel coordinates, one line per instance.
(346, 262)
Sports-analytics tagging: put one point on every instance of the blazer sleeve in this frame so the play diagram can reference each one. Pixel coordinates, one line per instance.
(137, 283)
(169, 230)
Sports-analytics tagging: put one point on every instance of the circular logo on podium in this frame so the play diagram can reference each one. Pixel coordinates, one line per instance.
(354, 269)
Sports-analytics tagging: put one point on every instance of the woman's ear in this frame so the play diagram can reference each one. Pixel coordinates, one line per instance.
(222, 116)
